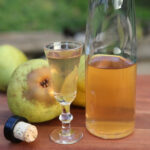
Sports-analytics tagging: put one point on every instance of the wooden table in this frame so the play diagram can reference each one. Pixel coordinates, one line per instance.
(139, 140)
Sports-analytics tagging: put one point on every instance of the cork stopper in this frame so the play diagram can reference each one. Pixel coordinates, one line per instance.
(18, 129)
(25, 132)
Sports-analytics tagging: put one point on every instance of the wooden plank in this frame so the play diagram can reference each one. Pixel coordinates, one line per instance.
(31, 43)
(139, 140)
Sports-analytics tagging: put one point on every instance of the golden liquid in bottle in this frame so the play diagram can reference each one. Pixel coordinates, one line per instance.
(110, 96)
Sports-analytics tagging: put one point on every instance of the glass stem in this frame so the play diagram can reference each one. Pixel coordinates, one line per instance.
(66, 117)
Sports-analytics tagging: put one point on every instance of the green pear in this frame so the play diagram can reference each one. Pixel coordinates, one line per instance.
(30, 93)
(10, 59)
(80, 97)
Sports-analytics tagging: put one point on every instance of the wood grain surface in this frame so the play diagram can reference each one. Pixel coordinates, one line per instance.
(139, 140)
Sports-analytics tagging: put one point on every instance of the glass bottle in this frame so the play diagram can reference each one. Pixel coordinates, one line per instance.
(110, 68)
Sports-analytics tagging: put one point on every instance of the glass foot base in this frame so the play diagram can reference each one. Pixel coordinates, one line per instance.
(74, 137)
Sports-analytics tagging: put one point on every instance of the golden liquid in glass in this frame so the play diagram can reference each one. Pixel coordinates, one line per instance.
(64, 73)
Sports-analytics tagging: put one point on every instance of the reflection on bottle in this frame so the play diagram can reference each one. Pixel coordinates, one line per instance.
(118, 4)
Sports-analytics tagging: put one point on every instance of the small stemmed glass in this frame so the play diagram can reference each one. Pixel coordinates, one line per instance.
(63, 58)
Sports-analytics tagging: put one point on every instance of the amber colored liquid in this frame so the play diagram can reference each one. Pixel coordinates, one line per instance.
(110, 96)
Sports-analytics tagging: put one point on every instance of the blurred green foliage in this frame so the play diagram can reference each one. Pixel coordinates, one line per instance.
(143, 10)
(20, 15)
(42, 14)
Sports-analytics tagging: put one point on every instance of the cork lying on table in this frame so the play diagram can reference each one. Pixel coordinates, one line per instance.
(25, 132)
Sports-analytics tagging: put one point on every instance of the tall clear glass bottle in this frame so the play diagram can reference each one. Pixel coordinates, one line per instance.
(110, 68)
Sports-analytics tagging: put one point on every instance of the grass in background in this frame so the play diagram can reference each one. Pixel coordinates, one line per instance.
(20, 15)
(58, 15)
